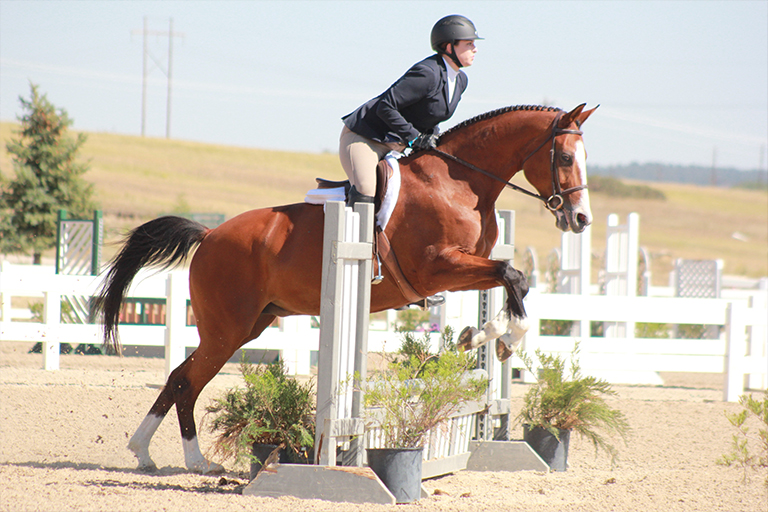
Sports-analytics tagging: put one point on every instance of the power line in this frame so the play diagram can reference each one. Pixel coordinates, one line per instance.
(168, 72)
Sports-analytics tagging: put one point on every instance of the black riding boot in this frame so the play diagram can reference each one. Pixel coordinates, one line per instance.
(356, 197)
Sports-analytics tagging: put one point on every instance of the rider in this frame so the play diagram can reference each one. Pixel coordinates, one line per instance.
(407, 114)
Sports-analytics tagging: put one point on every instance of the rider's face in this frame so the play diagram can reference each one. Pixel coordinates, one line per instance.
(465, 51)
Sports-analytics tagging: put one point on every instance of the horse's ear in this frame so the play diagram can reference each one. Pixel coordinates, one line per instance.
(571, 116)
(583, 116)
(576, 116)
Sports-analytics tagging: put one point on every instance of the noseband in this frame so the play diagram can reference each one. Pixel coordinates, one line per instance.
(555, 201)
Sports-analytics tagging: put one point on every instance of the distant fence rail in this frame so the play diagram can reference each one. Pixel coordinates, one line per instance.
(740, 353)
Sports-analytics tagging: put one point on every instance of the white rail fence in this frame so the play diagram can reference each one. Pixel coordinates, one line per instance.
(293, 337)
(740, 352)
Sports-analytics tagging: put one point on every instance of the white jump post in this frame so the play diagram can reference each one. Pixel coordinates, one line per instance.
(621, 253)
(490, 302)
(576, 270)
(344, 319)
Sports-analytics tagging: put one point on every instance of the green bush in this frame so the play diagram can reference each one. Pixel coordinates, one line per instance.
(617, 188)
(570, 401)
(651, 330)
(273, 408)
(418, 392)
(744, 441)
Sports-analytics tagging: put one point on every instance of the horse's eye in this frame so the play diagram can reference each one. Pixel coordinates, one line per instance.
(566, 158)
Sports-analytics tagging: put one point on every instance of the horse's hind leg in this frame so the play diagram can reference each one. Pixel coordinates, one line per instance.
(139, 443)
(174, 391)
(182, 388)
(198, 370)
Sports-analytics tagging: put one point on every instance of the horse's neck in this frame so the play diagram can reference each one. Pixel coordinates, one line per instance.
(500, 145)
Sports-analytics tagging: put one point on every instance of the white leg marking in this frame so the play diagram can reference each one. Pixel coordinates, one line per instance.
(491, 330)
(139, 443)
(195, 460)
(516, 329)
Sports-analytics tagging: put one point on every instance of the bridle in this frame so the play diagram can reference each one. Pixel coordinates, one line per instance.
(555, 201)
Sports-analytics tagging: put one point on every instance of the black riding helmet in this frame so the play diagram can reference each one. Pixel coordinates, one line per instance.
(451, 29)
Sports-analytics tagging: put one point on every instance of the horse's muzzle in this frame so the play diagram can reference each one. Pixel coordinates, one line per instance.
(570, 220)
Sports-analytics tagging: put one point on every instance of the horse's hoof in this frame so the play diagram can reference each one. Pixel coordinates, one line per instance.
(506, 345)
(208, 468)
(465, 338)
(146, 464)
(147, 467)
(502, 351)
(214, 469)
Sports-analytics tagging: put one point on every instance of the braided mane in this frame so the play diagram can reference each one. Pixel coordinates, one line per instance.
(498, 112)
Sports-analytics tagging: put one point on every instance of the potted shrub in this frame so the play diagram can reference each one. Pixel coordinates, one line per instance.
(416, 393)
(273, 410)
(561, 402)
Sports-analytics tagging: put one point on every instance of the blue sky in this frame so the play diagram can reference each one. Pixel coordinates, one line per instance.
(680, 82)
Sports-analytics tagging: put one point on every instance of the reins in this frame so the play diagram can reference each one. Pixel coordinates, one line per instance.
(553, 202)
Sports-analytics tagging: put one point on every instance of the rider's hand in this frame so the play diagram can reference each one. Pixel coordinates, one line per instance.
(424, 141)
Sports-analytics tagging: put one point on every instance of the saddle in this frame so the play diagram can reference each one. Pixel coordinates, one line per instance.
(383, 174)
(382, 249)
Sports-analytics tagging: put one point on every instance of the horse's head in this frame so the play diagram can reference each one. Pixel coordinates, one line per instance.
(558, 171)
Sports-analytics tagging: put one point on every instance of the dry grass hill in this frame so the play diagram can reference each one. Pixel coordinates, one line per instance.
(138, 178)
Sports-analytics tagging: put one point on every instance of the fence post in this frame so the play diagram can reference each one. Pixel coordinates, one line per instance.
(531, 339)
(576, 271)
(297, 361)
(621, 252)
(758, 342)
(735, 327)
(175, 320)
(490, 301)
(51, 321)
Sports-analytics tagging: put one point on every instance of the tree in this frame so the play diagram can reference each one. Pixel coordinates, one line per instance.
(47, 178)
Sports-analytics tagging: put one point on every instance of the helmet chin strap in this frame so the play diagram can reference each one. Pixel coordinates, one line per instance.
(453, 56)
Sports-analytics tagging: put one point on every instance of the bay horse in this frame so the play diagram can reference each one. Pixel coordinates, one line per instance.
(266, 263)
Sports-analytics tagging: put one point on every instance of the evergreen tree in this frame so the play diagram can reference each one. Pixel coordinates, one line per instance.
(47, 178)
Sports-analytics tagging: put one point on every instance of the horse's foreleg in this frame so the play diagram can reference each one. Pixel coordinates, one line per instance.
(511, 323)
(518, 321)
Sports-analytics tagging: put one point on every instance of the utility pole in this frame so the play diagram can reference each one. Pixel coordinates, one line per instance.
(168, 73)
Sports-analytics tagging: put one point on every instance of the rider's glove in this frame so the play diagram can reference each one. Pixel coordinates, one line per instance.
(424, 141)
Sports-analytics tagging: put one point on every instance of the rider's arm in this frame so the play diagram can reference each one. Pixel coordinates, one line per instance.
(417, 84)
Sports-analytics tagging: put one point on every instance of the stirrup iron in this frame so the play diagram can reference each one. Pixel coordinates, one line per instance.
(379, 277)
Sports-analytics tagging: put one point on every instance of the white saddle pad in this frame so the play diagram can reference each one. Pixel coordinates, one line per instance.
(320, 196)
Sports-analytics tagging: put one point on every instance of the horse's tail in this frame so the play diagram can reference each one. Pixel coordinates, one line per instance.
(163, 243)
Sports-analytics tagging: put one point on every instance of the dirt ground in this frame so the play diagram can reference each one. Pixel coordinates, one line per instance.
(63, 438)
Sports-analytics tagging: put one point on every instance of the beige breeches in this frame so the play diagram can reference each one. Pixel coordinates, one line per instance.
(359, 157)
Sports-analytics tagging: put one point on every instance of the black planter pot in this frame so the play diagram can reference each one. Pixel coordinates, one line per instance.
(553, 451)
(399, 469)
(263, 451)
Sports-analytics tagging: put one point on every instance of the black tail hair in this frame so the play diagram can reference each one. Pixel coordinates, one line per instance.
(163, 242)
